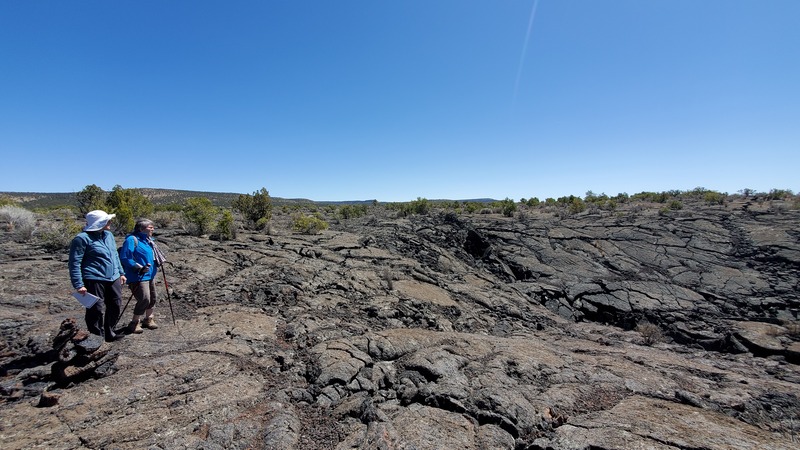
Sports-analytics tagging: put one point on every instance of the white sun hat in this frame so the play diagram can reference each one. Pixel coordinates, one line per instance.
(97, 219)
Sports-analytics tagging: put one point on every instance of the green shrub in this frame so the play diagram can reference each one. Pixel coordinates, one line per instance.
(262, 224)
(603, 201)
(455, 204)
(199, 213)
(574, 204)
(225, 226)
(577, 206)
(779, 194)
(674, 205)
(419, 206)
(128, 205)
(591, 197)
(92, 197)
(168, 207)
(714, 198)
(655, 197)
(256, 208)
(309, 224)
(125, 220)
(352, 211)
(508, 207)
(56, 235)
(472, 207)
(533, 202)
(6, 201)
(698, 192)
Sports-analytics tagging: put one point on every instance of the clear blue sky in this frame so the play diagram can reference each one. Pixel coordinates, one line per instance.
(394, 100)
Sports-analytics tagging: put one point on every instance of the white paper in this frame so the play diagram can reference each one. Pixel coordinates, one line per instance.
(87, 300)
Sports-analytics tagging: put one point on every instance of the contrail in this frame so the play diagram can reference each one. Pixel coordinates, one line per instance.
(524, 50)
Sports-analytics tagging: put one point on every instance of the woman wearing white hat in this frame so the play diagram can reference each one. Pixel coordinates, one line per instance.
(94, 267)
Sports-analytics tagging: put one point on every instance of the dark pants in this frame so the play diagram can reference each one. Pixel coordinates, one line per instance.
(145, 293)
(101, 318)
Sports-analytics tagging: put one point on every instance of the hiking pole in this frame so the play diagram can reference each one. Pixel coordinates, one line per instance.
(169, 299)
(160, 260)
(128, 303)
(123, 310)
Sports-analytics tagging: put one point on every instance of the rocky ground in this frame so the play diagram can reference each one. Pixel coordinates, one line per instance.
(605, 330)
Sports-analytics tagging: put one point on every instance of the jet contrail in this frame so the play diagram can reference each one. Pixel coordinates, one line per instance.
(524, 50)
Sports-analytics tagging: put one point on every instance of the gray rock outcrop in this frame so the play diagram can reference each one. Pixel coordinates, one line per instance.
(604, 330)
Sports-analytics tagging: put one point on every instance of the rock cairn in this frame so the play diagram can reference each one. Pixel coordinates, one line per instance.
(80, 354)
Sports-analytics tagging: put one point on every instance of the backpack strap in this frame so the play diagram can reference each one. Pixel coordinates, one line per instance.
(135, 244)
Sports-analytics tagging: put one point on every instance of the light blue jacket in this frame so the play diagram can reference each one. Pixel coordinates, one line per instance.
(137, 252)
(93, 256)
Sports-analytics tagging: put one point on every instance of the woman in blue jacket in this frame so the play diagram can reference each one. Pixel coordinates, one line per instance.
(94, 267)
(138, 258)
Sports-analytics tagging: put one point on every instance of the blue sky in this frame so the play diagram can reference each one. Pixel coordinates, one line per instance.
(394, 100)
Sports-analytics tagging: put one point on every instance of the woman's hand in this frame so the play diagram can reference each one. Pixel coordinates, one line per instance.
(82, 290)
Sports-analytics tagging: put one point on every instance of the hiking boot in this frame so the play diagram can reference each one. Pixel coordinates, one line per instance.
(150, 323)
(135, 327)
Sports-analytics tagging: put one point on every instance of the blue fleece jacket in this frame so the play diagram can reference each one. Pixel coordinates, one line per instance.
(137, 252)
(93, 256)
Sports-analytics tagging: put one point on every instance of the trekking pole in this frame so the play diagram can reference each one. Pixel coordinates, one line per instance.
(160, 260)
(123, 310)
(128, 303)
(169, 299)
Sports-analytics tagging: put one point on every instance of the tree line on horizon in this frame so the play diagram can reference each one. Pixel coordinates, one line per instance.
(199, 216)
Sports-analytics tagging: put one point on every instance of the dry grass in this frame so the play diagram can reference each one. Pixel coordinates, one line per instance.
(650, 333)
(388, 277)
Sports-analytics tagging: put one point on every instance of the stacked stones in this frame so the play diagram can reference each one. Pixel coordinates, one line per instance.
(80, 354)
